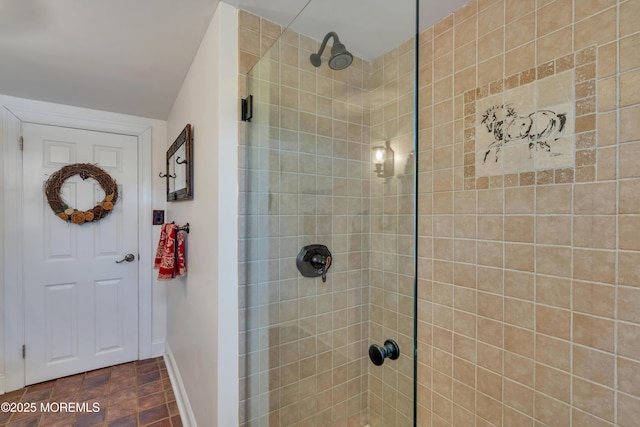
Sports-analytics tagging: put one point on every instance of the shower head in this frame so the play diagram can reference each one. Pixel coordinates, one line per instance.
(340, 58)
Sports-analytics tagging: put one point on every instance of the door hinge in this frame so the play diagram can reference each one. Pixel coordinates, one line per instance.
(21, 143)
(24, 351)
(247, 108)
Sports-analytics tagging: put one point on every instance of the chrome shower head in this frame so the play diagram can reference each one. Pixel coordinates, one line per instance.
(340, 58)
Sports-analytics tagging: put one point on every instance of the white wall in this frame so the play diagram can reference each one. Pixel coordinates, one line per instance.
(8, 191)
(202, 327)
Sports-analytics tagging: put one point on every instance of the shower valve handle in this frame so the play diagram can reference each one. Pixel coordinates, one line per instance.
(314, 261)
(324, 263)
(321, 261)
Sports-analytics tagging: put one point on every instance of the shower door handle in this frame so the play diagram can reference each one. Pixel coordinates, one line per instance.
(389, 350)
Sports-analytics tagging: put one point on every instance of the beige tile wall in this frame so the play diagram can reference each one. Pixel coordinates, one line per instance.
(529, 279)
(392, 266)
(306, 177)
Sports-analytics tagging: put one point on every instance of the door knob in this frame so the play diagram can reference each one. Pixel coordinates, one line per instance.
(127, 257)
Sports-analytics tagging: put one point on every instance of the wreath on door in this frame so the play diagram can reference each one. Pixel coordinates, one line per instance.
(67, 213)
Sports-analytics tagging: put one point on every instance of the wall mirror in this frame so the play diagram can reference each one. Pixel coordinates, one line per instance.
(180, 167)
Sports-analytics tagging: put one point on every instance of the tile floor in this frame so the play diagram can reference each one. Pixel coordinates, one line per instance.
(129, 395)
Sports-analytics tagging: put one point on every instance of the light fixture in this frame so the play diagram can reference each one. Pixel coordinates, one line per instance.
(383, 160)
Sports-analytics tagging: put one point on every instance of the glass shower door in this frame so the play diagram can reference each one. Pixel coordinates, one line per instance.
(329, 162)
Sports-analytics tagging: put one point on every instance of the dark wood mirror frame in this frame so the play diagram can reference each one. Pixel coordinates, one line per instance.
(180, 167)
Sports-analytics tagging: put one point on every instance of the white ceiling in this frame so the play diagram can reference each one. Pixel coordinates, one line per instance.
(131, 56)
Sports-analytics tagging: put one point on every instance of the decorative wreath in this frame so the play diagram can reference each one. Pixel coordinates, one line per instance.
(85, 170)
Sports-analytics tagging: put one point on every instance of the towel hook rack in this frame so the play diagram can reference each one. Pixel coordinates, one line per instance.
(183, 228)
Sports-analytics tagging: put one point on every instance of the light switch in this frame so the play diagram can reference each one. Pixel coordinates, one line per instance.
(158, 217)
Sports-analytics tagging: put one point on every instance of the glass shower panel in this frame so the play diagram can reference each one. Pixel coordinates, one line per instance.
(330, 161)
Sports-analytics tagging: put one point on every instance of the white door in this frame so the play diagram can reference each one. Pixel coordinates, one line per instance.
(81, 307)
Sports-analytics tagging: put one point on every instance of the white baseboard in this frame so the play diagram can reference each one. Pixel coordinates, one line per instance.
(3, 390)
(186, 413)
(157, 348)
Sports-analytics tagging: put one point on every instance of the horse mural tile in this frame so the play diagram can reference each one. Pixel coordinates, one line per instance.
(528, 128)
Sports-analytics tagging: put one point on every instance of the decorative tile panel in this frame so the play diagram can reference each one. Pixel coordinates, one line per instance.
(534, 127)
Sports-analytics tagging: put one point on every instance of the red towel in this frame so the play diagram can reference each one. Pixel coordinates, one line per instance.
(170, 254)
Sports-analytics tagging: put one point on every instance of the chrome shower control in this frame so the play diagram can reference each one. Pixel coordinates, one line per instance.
(314, 261)
(390, 350)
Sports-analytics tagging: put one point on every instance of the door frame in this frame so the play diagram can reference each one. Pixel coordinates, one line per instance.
(11, 119)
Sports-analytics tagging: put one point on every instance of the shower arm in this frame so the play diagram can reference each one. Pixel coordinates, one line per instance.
(326, 39)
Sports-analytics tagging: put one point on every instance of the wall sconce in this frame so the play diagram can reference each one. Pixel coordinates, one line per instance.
(383, 160)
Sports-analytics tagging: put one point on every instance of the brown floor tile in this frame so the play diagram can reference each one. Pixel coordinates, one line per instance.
(125, 370)
(152, 415)
(89, 419)
(123, 396)
(176, 421)
(129, 395)
(4, 417)
(150, 388)
(148, 377)
(72, 379)
(98, 372)
(25, 422)
(37, 396)
(66, 391)
(129, 421)
(122, 410)
(25, 414)
(163, 423)
(96, 381)
(93, 393)
(122, 383)
(150, 401)
(173, 408)
(53, 418)
(41, 386)
(145, 369)
(58, 424)
(13, 396)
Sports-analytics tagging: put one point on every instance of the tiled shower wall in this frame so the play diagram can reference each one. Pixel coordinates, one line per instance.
(309, 179)
(392, 267)
(529, 266)
(303, 342)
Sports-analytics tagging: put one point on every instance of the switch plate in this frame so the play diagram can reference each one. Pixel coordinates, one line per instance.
(158, 217)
